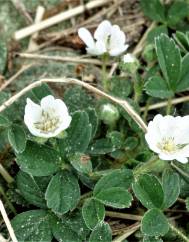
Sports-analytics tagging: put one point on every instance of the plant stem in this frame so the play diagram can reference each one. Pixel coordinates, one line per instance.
(180, 171)
(147, 166)
(105, 82)
(8, 178)
(146, 110)
(179, 233)
(129, 231)
(100, 173)
(136, 88)
(169, 106)
(85, 196)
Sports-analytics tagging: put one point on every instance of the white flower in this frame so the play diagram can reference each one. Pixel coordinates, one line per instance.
(169, 137)
(129, 58)
(108, 39)
(48, 119)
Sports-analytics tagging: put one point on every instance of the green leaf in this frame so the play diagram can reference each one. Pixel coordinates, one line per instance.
(81, 163)
(30, 189)
(183, 84)
(4, 122)
(169, 59)
(131, 143)
(78, 134)
(93, 212)
(153, 9)
(32, 226)
(148, 190)
(116, 138)
(40, 92)
(120, 87)
(171, 187)
(63, 192)
(154, 223)
(102, 232)
(182, 40)
(187, 203)
(38, 160)
(93, 120)
(17, 138)
(155, 32)
(71, 228)
(3, 55)
(151, 239)
(101, 147)
(76, 99)
(157, 87)
(63, 233)
(76, 223)
(117, 178)
(116, 197)
(177, 11)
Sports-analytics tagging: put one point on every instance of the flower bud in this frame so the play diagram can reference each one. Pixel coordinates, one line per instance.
(109, 114)
(148, 53)
(130, 63)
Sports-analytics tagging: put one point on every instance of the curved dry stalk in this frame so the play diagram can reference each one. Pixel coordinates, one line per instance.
(7, 222)
(123, 103)
(18, 73)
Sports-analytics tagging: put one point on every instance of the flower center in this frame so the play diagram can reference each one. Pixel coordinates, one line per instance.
(168, 145)
(49, 121)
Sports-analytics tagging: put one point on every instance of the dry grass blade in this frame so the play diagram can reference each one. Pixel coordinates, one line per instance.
(60, 58)
(59, 18)
(7, 222)
(129, 231)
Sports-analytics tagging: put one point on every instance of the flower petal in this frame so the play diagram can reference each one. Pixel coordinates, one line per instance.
(61, 108)
(48, 101)
(103, 31)
(117, 36)
(181, 159)
(32, 112)
(87, 38)
(117, 51)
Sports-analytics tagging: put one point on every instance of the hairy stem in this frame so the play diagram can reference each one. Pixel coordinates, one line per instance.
(169, 106)
(105, 82)
(179, 233)
(145, 167)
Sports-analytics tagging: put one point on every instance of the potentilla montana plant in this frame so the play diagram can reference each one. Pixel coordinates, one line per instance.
(84, 158)
(168, 136)
(48, 119)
